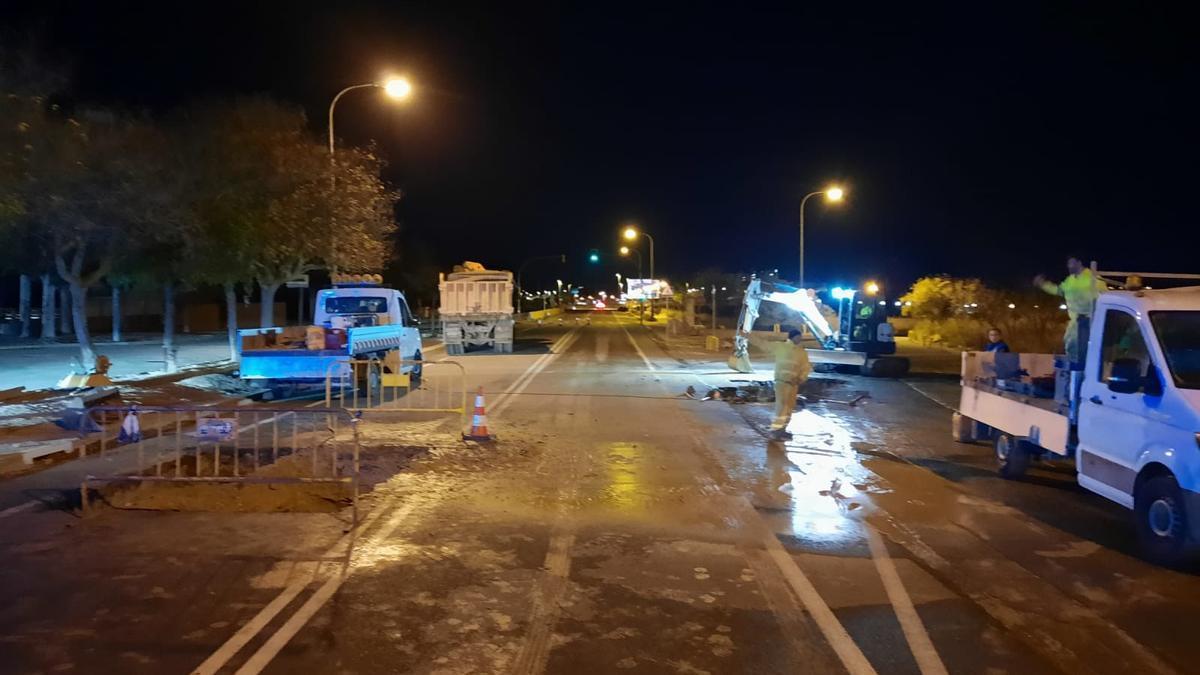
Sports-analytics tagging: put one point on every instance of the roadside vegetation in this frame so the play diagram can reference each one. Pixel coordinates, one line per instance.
(955, 312)
(228, 194)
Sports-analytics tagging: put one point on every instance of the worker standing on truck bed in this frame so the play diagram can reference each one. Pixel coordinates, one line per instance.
(1079, 292)
(791, 371)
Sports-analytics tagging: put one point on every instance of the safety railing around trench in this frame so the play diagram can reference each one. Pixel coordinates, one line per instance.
(438, 387)
(198, 444)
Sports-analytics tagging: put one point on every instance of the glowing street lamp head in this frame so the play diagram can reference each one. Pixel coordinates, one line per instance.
(871, 288)
(398, 88)
(630, 233)
(624, 250)
(835, 194)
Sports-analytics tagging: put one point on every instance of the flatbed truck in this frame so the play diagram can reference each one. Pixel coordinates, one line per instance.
(1129, 421)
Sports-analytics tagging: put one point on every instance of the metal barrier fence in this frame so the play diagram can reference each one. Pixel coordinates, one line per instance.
(396, 385)
(197, 444)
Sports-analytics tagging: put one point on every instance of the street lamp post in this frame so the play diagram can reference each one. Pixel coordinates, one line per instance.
(632, 233)
(562, 258)
(625, 250)
(714, 309)
(832, 194)
(397, 88)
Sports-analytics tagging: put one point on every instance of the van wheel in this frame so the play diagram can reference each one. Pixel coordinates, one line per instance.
(414, 375)
(1162, 521)
(1012, 456)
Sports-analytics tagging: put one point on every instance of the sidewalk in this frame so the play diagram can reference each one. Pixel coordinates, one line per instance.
(40, 366)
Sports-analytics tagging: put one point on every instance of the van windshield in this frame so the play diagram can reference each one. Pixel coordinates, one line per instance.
(351, 304)
(1179, 335)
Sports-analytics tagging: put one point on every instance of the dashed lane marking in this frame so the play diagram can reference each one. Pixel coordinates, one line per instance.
(639, 350)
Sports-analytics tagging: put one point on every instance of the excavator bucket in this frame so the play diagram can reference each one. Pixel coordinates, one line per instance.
(741, 363)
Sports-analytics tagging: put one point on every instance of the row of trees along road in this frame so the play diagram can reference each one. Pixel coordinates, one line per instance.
(214, 194)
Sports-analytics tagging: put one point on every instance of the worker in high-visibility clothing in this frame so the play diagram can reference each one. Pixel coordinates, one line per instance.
(791, 371)
(1079, 292)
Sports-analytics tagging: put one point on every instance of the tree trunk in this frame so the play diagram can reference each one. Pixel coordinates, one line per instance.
(266, 299)
(231, 319)
(87, 355)
(48, 320)
(116, 313)
(26, 302)
(169, 352)
(64, 310)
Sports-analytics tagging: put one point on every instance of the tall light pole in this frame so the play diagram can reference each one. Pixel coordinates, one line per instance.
(625, 251)
(833, 194)
(631, 233)
(396, 88)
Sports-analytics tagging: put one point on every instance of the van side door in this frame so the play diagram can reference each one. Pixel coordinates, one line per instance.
(1114, 427)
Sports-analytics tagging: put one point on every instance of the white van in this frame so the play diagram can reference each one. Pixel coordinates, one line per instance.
(1133, 427)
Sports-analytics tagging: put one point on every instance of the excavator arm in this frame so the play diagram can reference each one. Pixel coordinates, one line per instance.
(798, 299)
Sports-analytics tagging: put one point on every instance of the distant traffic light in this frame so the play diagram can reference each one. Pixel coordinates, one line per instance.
(594, 256)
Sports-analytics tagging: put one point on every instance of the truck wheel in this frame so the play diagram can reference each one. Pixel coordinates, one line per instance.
(1162, 520)
(1012, 456)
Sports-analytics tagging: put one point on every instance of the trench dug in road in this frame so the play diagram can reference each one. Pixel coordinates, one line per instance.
(617, 526)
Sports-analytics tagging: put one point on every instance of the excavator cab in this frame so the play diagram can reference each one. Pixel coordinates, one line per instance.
(863, 338)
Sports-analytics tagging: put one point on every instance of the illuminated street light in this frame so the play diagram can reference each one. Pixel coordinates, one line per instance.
(631, 233)
(833, 194)
(398, 88)
(871, 288)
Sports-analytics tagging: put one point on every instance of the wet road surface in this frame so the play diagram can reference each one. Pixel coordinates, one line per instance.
(616, 526)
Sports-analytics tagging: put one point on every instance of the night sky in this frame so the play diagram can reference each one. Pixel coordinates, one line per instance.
(974, 142)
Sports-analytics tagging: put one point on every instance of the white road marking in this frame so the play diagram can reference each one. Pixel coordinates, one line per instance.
(546, 606)
(20, 508)
(288, 630)
(843, 645)
(910, 622)
(508, 397)
(638, 349)
(247, 632)
(230, 648)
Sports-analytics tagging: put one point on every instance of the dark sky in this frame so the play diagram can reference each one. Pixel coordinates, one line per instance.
(972, 141)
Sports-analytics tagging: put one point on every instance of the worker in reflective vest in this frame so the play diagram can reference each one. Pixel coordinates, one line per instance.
(791, 371)
(1079, 292)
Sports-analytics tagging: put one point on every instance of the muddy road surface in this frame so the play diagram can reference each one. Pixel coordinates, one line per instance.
(614, 525)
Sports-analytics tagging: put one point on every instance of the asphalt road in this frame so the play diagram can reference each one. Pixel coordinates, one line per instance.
(614, 526)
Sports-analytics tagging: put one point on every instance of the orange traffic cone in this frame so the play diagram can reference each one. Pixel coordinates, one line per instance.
(479, 430)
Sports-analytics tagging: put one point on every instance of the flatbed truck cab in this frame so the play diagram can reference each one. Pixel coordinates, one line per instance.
(357, 319)
(1130, 419)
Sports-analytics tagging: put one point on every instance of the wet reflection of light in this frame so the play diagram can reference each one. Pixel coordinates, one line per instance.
(821, 486)
(623, 484)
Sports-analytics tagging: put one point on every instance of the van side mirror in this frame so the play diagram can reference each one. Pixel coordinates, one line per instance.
(1126, 376)
(1152, 384)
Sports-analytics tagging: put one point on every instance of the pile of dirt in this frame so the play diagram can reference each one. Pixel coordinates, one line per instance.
(385, 449)
(229, 497)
